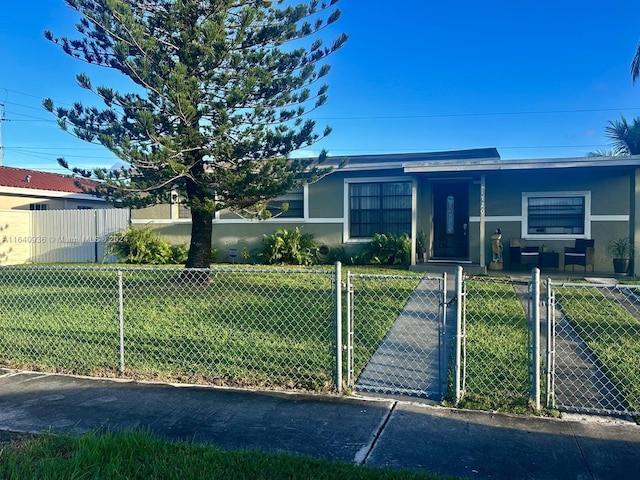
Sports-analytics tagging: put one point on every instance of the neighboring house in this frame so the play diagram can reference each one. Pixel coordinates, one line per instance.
(22, 189)
(45, 217)
(457, 198)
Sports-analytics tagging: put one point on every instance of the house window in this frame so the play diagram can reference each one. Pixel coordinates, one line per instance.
(184, 211)
(38, 206)
(295, 200)
(83, 207)
(379, 207)
(556, 214)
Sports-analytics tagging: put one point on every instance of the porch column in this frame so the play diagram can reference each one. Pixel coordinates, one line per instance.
(414, 220)
(634, 221)
(483, 262)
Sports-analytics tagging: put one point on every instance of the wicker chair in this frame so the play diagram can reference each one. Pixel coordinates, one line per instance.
(522, 254)
(581, 253)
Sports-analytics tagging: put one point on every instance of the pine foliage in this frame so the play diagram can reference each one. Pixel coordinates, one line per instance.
(222, 94)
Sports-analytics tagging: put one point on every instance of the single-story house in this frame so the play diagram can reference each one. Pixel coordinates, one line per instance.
(24, 189)
(455, 199)
(45, 217)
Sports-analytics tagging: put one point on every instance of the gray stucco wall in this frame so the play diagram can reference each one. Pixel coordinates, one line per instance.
(326, 197)
(612, 192)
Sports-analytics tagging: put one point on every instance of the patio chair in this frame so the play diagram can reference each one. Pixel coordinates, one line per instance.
(522, 254)
(581, 253)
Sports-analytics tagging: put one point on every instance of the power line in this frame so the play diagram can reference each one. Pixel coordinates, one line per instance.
(478, 114)
(433, 115)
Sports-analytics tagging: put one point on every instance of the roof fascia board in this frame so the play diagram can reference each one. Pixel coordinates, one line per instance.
(408, 164)
(546, 163)
(371, 166)
(33, 192)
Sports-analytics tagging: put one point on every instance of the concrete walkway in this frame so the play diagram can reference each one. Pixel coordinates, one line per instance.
(410, 359)
(379, 433)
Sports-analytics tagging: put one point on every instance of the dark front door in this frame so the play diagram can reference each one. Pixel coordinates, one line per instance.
(450, 221)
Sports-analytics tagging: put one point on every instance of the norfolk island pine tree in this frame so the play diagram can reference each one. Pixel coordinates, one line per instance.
(226, 90)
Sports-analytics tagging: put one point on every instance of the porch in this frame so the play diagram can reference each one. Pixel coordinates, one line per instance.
(437, 268)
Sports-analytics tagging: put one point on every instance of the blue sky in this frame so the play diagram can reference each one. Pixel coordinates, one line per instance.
(535, 79)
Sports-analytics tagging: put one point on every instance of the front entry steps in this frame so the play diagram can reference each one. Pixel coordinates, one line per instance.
(450, 267)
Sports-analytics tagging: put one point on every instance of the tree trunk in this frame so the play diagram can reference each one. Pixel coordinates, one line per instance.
(202, 211)
(201, 233)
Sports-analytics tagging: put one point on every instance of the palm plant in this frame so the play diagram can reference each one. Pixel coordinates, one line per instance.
(624, 137)
(635, 65)
(603, 153)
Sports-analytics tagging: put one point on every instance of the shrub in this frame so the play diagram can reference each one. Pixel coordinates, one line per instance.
(179, 254)
(288, 247)
(344, 256)
(387, 249)
(142, 246)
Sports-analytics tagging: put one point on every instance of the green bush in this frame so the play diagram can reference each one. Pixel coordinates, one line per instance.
(290, 247)
(387, 249)
(143, 246)
(179, 254)
(344, 256)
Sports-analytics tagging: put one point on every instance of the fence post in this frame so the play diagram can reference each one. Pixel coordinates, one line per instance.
(535, 325)
(457, 367)
(121, 319)
(442, 332)
(349, 291)
(338, 324)
(549, 364)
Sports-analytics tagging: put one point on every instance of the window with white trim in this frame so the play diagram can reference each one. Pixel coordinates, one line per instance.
(38, 206)
(379, 207)
(555, 214)
(295, 204)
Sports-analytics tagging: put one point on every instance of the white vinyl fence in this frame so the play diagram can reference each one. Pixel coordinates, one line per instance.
(59, 236)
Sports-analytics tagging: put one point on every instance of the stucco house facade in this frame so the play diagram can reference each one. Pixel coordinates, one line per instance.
(456, 199)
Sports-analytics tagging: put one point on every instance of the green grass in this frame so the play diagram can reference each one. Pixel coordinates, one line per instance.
(611, 333)
(244, 328)
(379, 299)
(249, 326)
(140, 455)
(496, 348)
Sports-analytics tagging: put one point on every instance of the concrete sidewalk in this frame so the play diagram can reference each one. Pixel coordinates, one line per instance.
(383, 433)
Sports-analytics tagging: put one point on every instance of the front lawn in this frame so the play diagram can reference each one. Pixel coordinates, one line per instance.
(610, 332)
(249, 326)
(270, 328)
(496, 348)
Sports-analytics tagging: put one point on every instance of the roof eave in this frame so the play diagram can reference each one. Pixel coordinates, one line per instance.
(527, 164)
(33, 192)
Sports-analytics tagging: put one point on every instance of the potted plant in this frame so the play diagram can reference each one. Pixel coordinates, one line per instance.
(620, 251)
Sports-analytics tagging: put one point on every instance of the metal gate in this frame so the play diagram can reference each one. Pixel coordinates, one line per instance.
(593, 348)
(397, 334)
(498, 340)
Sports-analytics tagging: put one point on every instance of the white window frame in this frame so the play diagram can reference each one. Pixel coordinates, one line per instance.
(556, 236)
(346, 234)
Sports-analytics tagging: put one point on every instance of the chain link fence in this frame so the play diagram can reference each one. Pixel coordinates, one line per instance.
(283, 329)
(395, 334)
(495, 344)
(594, 352)
(228, 326)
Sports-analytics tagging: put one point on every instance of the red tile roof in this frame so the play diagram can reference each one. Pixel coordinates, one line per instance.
(23, 178)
